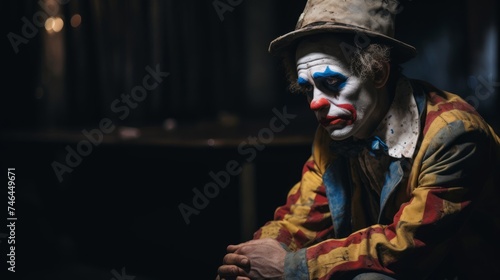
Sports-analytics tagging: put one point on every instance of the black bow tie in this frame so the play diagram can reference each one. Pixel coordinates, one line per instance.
(351, 147)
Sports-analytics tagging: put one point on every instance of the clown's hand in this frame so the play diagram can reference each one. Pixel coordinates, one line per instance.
(266, 258)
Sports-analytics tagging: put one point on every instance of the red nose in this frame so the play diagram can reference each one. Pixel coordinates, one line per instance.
(318, 104)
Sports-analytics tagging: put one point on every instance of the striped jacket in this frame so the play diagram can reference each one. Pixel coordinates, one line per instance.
(438, 218)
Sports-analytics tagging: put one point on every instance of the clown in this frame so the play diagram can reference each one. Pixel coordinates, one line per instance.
(401, 180)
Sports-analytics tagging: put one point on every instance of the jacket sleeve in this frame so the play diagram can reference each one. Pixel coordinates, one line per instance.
(305, 217)
(445, 180)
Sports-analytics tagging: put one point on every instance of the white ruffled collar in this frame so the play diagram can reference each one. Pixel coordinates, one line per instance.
(400, 128)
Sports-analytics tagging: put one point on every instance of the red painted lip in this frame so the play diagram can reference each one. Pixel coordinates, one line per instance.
(340, 120)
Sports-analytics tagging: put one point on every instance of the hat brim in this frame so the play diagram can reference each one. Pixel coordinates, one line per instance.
(401, 52)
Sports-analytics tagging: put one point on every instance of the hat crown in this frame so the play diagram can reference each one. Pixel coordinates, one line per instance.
(372, 19)
(373, 15)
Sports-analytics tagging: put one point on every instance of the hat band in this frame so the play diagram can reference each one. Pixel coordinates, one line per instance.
(319, 23)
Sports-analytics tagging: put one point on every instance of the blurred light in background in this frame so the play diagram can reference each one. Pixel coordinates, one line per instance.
(76, 20)
(54, 24)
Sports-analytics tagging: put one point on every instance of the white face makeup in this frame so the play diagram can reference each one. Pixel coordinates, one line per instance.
(342, 102)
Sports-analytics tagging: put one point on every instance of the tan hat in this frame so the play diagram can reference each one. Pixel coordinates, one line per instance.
(371, 18)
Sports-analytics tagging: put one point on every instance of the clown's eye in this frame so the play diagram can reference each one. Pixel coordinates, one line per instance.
(330, 80)
(334, 83)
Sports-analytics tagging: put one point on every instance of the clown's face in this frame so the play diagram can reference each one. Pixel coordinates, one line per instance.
(346, 105)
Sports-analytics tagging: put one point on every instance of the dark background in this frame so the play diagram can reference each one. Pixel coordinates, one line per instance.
(117, 212)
